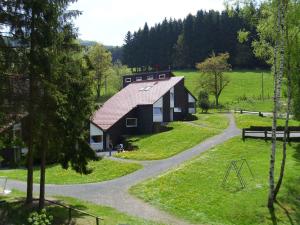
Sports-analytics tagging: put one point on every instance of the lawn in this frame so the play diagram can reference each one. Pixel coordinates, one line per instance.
(211, 120)
(245, 121)
(243, 92)
(17, 213)
(193, 191)
(104, 169)
(180, 136)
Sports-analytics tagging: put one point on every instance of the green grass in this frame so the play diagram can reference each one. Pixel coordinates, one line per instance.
(243, 91)
(211, 120)
(245, 121)
(17, 213)
(193, 191)
(104, 169)
(180, 137)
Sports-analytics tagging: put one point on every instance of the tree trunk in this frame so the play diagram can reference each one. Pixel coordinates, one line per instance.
(285, 140)
(217, 100)
(277, 92)
(216, 90)
(99, 85)
(29, 196)
(31, 106)
(43, 173)
(105, 84)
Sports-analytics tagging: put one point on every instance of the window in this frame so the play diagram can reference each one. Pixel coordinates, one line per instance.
(127, 80)
(150, 77)
(162, 76)
(97, 138)
(138, 78)
(177, 109)
(157, 111)
(131, 122)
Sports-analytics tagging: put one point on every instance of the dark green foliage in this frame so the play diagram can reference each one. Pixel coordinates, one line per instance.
(203, 101)
(180, 44)
(41, 218)
(58, 100)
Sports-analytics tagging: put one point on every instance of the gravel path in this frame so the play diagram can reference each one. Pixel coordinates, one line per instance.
(114, 193)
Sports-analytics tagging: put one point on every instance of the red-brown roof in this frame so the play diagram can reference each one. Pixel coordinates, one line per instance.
(136, 93)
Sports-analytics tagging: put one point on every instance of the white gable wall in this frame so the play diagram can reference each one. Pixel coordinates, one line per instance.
(191, 99)
(158, 117)
(95, 131)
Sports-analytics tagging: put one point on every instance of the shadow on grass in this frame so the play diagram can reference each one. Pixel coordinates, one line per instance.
(130, 141)
(290, 203)
(17, 213)
(293, 188)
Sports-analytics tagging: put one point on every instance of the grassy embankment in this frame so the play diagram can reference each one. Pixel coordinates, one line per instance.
(243, 92)
(244, 121)
(102, 170)
(194, 192)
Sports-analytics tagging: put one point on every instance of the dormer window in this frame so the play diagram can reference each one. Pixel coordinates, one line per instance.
(162, 76)
(138, 78)
(127, 80)
(150, 77)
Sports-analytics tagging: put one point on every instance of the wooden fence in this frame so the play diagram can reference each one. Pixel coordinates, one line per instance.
(266, 130)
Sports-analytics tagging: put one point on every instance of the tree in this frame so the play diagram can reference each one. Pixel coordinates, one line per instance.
(278, 49)
(100, 60)
(183, 43)
(117, 71)
(60, 95)
(203, 101)
(214, 80)
(292, 48)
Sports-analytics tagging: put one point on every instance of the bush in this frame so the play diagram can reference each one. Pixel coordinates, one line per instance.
(41, 218)
(203, 101)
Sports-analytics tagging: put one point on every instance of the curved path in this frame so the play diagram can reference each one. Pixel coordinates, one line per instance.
(114, 193)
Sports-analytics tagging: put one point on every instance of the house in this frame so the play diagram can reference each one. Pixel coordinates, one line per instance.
(145, 101)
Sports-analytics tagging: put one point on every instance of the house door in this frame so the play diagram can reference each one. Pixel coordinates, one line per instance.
(171, 114)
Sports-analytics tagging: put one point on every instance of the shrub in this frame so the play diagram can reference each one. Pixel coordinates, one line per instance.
(203, 101)
(41, 218)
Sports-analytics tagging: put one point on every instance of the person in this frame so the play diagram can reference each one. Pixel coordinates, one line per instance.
(110, 147)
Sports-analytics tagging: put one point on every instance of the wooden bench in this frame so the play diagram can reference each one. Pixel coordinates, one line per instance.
(266, 130)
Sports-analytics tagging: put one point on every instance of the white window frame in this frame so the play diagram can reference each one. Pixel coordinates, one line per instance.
(150, 77)
(135, 125)
(177, 110)
(128, 80)
(138, 79)
(162, 76)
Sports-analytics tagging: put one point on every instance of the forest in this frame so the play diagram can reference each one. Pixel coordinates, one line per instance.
(180, 44)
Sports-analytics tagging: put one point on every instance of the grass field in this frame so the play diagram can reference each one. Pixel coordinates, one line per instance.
(180, 137)
(104, 169)
(245, 121)
(194, 192)
(211, 120)
(17, 213)
(243, 92)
